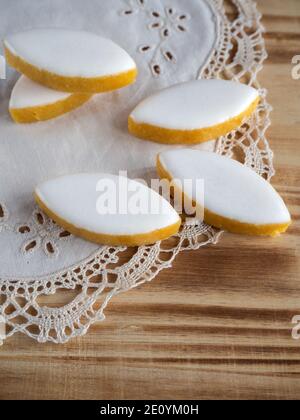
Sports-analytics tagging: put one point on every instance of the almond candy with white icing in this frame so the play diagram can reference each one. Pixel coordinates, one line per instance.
(69, 60)
(236, 198)
(193, 112)
(108, 209)
(32, 102)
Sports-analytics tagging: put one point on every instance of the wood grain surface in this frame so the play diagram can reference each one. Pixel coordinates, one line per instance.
(215, 326)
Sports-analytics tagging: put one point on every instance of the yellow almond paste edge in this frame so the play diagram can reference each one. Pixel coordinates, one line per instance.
(70, 84)
(111, 240)
(170, 136)
(49, 111)
(225, 223)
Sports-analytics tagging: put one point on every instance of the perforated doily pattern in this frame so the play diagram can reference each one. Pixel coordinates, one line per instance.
(239, 55)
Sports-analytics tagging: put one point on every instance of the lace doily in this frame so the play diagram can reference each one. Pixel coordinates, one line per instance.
(231, 46)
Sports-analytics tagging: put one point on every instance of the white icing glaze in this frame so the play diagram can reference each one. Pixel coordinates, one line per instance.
(74, 199)
(232, 190)
(70, 53)
(28, 94)
(195, 105)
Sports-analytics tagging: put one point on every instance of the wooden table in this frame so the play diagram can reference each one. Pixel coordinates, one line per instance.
(217, 325)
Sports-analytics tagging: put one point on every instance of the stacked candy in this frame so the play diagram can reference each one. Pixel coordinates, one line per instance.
(61, 70)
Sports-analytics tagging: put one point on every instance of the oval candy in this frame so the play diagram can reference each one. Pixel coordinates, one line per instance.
(69, 60)
(193, 112)
(108, 209)
(31, 102)
(236, 198)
